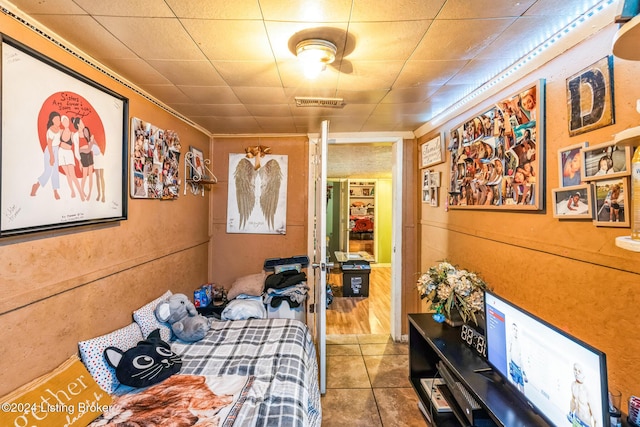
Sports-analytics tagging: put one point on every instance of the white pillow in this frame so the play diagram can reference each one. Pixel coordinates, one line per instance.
(146, 318)
(92, 354)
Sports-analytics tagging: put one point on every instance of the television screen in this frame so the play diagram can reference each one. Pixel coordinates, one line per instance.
(561, 377)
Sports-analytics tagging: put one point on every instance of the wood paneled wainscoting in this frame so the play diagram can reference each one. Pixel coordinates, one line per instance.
(361, 315)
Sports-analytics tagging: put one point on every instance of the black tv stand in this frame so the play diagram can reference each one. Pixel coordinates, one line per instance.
(436, 347)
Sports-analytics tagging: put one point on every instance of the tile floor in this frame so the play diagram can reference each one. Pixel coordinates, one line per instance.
(368, 384)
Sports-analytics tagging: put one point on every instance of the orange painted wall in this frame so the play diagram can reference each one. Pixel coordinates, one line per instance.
(237, 254)
(567, 272)
(61, 287)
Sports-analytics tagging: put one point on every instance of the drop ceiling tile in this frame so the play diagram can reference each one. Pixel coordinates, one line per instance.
(554, 8)
(264, 110)
(396, 10)
(169, 94)
(137, 70)
(398, 110)
(145, 8)
(216, 9)
(386, 40)
(59, 7)
(261, 95)
(479, 71)
(306, 10)
(276, 124)
(230, 40)
(229, 125)
(87, 35)
(417, 73)
(371, 75)
(441, 44)
(200, 109)
(353, 110)
(409, 95)
(460, 9)
(192, 73)
(169, 40)
(210, 94)
(362, 96)
(248, 73)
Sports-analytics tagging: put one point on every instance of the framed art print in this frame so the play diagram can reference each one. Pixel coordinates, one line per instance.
(497, 155)
(605, 160)
(611, 202)
(572, 202)
(69, 167)
(432, 152)
(590, 97)
(571, 164)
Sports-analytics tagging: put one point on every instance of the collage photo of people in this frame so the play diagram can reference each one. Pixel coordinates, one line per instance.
(493, 155)
(155, 162)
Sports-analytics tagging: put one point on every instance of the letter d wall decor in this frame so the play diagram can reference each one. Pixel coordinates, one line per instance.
(590, 97)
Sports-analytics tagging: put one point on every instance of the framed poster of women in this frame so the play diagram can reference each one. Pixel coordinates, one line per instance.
(63, 146)
(497, 155)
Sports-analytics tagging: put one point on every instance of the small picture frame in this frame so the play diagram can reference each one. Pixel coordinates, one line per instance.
(605, 161)
(433, 197)
(365, 192)
(611, 200)
(197, 169)
(426, 179)
(434, 179)
(572, 202)
(432, 152)
(571, 164)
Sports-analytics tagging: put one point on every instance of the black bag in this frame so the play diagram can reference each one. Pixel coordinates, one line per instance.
(284, 279)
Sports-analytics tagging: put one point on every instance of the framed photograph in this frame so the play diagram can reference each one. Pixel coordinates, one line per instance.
(571, 164)
(572, 202)
(426, 179)
(497, 155)
(197, 170)
(433, 197)
(64, 139)
(604, 161)
(611, 200)
(366, 192)
(590, 97)
(434, 179)
(432, 152)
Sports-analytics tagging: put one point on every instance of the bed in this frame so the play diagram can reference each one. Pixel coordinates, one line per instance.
(255, 372)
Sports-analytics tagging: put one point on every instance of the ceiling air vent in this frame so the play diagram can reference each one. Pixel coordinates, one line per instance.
(303, 101)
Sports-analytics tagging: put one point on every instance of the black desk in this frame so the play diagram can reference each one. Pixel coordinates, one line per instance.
(431, 342)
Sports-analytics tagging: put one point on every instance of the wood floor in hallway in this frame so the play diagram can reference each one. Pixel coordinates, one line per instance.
(362, 315)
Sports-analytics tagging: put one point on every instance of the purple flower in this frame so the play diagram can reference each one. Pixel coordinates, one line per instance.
(438, 317)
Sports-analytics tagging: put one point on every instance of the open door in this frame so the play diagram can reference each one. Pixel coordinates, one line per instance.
(320, 264)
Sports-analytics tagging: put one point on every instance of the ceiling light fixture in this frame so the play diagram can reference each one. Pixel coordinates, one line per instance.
(314, 55)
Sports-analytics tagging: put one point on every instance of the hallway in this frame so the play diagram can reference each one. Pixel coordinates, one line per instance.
(367, 373)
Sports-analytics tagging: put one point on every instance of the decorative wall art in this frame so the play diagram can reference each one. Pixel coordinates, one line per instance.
(572, 202)
(64, 141)
(590, 97)
(257, 201)
(611, 198)
(432, 152)
(571, 164)
(155, 160)
(497, 155)
(605, 161)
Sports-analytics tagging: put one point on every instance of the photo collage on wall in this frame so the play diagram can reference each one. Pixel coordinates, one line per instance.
(496, 155)
(155, 158)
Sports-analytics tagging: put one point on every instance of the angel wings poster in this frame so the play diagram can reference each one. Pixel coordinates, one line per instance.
(257, 202)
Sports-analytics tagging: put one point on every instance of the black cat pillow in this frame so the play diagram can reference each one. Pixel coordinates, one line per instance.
(148, 363)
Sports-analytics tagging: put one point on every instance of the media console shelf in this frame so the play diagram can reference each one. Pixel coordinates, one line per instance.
(431, 343)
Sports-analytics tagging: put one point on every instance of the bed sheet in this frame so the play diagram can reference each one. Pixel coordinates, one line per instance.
(278, 354)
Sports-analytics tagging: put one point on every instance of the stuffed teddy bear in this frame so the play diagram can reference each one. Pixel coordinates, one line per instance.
(183, 317)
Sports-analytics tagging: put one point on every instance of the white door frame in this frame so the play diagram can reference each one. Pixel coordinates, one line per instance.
(396, 139)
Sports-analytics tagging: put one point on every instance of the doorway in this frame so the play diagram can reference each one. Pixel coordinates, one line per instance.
(359, 231)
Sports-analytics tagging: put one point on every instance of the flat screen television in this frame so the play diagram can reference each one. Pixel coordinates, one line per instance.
(562, 378)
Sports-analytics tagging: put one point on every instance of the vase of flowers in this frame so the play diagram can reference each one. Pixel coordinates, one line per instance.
(453, 292)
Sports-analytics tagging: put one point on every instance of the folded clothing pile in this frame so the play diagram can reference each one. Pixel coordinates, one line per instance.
(289, 285)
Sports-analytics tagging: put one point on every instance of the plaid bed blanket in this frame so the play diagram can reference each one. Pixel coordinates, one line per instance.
(280, 356)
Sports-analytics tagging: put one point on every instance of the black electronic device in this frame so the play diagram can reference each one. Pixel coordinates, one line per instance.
(271, 263)
(474, 339)
(474, 413)
(559, 376)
